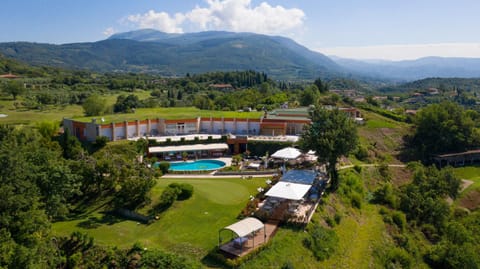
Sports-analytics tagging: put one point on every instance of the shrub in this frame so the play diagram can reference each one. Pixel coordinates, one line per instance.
(185, 191)
(385, 195)
(174, 191)
(399, 219)
(322, 242)
(288, 265)
(356, 200)
(169, 195)
(361, 153)
(164, 167)
(330, 221)
(357, 168)
(338, 218)
(160, 259)
(430, 232)
(398, 258)
(100, 142)
(384, 171)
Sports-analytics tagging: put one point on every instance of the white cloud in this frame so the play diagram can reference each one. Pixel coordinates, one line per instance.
(406, 52)
(109, 31)
(161, 21)
(228, 15)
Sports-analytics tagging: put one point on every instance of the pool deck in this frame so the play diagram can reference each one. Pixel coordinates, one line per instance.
(227, 161)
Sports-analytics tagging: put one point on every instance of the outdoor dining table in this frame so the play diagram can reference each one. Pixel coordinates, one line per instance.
(239, 241)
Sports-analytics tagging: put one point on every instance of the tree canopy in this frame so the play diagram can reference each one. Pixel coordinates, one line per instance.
(14, 88)
(442, 128)
(94, 105)
(331, 134)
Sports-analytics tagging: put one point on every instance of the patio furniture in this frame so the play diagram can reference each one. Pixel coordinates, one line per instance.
(239, 242)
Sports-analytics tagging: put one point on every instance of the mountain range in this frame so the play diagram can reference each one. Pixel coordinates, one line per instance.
(178, 54)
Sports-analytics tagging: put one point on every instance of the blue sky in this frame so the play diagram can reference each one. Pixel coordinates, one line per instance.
(363, 29)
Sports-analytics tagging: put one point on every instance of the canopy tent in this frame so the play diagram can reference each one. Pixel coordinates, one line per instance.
(254, 165)
(287, 153)
(245, 226)
(247, 230)
(196, 147)
(288, 190)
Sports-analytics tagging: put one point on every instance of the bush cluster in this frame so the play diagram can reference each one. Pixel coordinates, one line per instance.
(321, 241)
(173, 192)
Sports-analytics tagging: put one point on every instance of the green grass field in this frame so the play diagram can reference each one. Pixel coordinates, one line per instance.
(49, 113)
(470, 173)
(189, 227)
(57, 113)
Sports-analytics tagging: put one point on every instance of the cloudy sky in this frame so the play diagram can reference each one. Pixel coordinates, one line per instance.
(361, 29)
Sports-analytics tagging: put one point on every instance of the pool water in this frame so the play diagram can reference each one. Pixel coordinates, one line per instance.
(202, 165)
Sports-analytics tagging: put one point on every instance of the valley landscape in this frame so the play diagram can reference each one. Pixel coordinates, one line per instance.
(91, 134)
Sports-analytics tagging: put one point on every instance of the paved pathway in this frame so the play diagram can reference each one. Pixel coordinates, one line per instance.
(370, 165)
(212, 176)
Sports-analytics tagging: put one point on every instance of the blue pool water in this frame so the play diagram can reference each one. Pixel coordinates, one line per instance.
(202, 165)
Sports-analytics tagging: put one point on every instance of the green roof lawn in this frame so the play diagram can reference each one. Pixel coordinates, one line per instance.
(171, 113)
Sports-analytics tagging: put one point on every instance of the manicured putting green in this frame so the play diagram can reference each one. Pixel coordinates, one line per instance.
(189, 227)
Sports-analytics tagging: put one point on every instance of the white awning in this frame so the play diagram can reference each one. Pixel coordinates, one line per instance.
(288, 190)
(196, 147)
(254, 165)
(245, 227)
(287, 153)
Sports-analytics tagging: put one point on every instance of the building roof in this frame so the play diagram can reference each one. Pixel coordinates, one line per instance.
(288, 190)
(299, 176)
(9, 76)
(245, 226)
(195, 147)
(457, 154)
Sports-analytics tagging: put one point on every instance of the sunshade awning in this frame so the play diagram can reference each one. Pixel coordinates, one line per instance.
(288, 190)
(287, 153)
(196, 147)
(245, 227)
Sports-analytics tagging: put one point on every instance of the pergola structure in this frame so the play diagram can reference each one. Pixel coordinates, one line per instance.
(196, 148)
(243, 229)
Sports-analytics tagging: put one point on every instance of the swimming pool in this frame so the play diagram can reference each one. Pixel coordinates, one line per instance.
(202, 165)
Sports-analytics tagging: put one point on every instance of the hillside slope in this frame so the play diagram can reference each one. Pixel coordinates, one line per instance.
(176, 55)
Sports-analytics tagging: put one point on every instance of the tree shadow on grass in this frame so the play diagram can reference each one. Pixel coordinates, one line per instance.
(215, 259)
(95, 222)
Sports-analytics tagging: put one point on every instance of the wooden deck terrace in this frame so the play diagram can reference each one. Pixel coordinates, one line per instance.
(234, 250)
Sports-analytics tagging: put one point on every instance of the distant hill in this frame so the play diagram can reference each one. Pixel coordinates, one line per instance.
(178, 54)
(414, 69)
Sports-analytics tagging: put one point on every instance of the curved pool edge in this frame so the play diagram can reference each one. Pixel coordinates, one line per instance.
(191, 166)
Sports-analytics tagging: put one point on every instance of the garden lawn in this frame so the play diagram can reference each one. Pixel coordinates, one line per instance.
(189, 227)
(470, 197)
